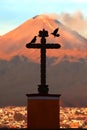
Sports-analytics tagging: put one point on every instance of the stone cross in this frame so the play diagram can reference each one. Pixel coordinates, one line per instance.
(43, 87)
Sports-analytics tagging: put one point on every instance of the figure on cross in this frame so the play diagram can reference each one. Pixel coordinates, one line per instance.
(43, 87)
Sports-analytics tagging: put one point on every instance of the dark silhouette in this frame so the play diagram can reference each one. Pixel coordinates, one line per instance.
(43, 88)
(33, 40)
(55, 32)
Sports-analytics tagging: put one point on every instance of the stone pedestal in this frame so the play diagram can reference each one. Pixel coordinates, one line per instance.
(43, 111)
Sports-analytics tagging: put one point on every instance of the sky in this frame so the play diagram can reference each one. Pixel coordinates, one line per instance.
(15, 12)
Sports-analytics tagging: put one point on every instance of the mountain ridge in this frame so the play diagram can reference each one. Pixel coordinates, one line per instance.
(14, 42)
(20, 68)
(19, 76)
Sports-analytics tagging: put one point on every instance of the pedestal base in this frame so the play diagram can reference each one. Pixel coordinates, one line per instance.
(43, 111)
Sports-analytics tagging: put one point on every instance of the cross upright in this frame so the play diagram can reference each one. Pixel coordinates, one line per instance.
(43, 87)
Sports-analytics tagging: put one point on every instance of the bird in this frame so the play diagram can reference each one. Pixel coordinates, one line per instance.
(33, 40)
(54, 33)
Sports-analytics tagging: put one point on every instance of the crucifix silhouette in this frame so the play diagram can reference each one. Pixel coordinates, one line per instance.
(43, 87)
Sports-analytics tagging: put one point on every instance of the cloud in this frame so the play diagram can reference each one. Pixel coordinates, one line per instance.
(76, 21)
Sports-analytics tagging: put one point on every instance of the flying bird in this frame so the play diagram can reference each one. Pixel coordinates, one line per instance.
(55, 32)
(33, 40)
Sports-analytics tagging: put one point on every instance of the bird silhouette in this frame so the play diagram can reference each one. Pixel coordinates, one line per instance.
(54, 33)
(33, 40)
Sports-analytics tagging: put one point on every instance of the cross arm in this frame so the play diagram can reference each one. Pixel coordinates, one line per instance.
(33, 46)
(53, 46)
(47, 46)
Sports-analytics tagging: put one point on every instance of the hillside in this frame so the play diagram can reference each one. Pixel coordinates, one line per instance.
(74, 46)
(20, 69)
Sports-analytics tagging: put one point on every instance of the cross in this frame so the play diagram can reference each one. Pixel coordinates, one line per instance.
(43, 87)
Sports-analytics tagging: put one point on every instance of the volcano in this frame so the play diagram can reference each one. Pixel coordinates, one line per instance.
(74, 46)
(66, 67)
